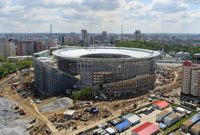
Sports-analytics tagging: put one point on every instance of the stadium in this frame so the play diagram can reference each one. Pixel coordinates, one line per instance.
(115, 71)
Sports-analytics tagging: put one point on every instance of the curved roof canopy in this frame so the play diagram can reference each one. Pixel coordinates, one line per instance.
(105, 52)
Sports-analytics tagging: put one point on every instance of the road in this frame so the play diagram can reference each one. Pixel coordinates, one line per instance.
(5, 81)
(49, 124)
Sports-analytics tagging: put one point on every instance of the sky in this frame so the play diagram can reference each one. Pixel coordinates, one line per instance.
(149, 16)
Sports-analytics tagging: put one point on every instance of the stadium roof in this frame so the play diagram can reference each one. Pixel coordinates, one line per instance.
(86, 51)
(146, 129)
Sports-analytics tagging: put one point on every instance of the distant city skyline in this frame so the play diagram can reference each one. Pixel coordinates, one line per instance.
(149, 16)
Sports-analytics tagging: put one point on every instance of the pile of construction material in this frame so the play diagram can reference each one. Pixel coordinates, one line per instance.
(62, 103)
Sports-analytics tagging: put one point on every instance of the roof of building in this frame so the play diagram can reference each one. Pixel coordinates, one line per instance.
(196, 127)
(162, 125)
(192, 120)
(110, 130)
(180, 109)
(69, 112)
(132, 118)
(76, 53)
(163, 113)
(172, 116)
(187, 63)
(146, 129)
(161, 104)
(122, 125)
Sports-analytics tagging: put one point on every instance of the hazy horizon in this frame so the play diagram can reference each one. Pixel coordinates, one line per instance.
(150, 16)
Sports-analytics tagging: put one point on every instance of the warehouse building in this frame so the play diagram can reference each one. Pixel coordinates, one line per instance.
(146, 129)
(195, 130)
(181, 110)
(171, 119)
(190, 122)
(160, 105)
(122, 126)
(160, 117)
(132, 118)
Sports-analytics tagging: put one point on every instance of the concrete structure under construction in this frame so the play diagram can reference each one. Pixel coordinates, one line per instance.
(49, 80)
(115, 71)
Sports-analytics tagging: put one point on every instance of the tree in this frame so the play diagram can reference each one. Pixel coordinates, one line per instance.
(8, 67)
(82, 94)
(158, 46)
(3, 72)
(2, 59)
(24, 64)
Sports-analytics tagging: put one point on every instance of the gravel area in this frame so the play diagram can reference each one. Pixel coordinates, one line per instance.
(10, 122)
(62, 103)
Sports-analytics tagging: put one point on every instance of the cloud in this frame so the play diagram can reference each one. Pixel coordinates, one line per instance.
(49, 3)
(96, 15)
(168, 6)
(101, 4)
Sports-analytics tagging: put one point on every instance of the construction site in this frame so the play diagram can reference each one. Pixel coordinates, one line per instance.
(38, 115)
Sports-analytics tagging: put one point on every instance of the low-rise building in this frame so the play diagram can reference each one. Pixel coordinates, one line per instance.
(122, 126)
(160, 117)
(171, 119)
(195, 130)
(180, 110)
(146, 129)
(132, 118)
(190, 122)
(160, 105)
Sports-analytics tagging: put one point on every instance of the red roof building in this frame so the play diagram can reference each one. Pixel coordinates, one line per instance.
(161, 105)
(146, 129)
(187, 63)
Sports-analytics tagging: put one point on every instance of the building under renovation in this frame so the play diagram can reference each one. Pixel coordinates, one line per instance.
(116, 71)
(49, 80)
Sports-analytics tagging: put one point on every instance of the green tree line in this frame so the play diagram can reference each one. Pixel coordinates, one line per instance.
(8, 67)
(158, 46)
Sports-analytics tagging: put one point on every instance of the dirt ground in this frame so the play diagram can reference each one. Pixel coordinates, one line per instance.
(116, 108)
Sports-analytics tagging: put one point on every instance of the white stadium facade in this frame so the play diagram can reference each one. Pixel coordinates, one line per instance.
(116, 71)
